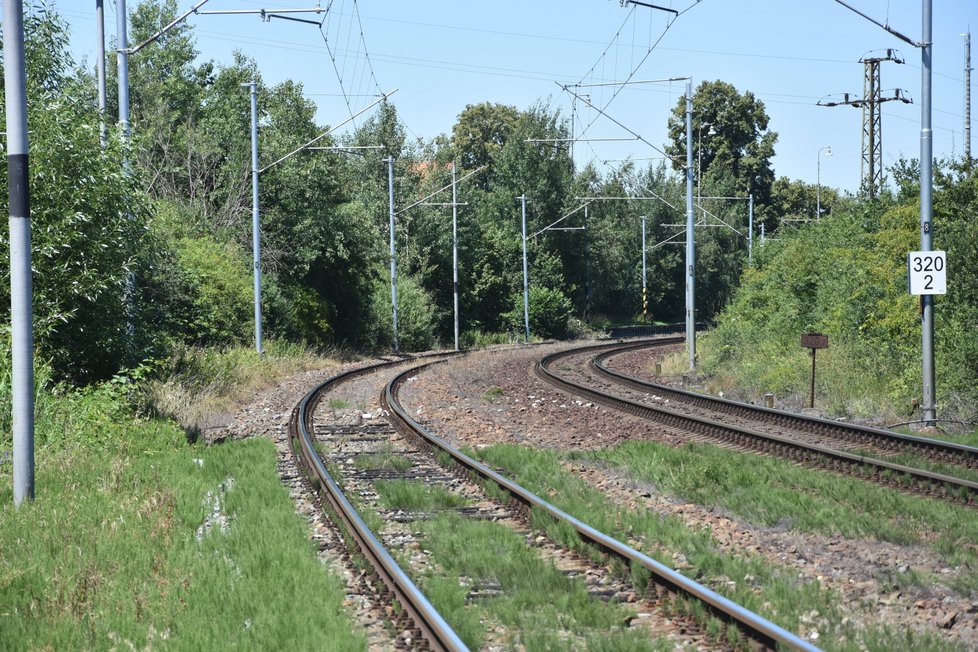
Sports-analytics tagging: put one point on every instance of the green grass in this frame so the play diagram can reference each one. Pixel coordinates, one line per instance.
(775, 593)
(195, 384)
(492, 394)
(385, 460)
(112, 555)
(536, 601)
(416, 496)
(768, 492)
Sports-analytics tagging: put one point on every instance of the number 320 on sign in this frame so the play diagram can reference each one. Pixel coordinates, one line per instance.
(927, 272)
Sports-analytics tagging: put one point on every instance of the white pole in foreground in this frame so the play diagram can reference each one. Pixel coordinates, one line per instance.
(455, 252)
(390, 186)
(21, 314)
(255, 232)
(690, 242)
(526, 277)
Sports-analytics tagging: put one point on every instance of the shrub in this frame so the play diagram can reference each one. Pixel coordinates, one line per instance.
(415, 316)
(549, 312)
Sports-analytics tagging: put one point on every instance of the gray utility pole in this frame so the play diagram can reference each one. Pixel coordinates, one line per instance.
(750, 228)
(967, 99)
(100, 70)
(255, 233)
(455, 253)
(927, 207)
(587, 268)
(690, 240)
(122, 60)
(645, 294)
(526, 280)
(21, 293)
(390, 187)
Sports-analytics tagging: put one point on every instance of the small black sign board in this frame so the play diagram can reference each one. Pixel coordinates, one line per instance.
(814, 341)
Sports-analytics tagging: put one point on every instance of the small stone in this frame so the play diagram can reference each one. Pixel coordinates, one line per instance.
(948, 620)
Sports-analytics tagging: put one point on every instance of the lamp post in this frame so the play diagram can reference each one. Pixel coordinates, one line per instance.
(818, 179)
(699, 156)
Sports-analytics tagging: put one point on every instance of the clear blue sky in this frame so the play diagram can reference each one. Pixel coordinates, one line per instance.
(443, 55)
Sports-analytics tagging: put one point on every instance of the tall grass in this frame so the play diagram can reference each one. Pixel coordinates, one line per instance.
(776, 593)
(196, 384)
(137, 540)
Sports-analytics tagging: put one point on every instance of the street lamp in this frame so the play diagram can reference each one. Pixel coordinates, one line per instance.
(818, 179)
(699, 155)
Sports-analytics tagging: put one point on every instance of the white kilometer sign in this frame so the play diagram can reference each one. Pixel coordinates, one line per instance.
(927, 272)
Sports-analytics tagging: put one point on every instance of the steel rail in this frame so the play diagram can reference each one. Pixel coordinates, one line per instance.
(667, 581)
(432, 627)
(935, 449)
(887, 473)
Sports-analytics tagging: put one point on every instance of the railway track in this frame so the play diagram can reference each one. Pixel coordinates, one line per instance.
(775, 432)
(338, 447)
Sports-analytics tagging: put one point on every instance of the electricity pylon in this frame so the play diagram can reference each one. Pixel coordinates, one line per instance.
(871, 167)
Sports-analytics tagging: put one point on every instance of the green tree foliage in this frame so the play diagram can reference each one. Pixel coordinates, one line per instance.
(480, 133)
(742, 147)
(845, 275)
(549, 311)
(88, 217)
(415, 316)
(797, 200)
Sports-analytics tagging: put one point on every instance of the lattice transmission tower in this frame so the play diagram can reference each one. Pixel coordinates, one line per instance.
(871, 167)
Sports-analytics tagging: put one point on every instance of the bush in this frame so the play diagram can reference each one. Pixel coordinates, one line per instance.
(415, 316)
(549, 312)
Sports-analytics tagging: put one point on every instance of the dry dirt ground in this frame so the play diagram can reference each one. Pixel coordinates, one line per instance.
(493, 397)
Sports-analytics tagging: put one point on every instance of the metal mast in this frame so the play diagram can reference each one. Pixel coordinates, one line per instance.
(927, 209)
(21, 292)
(390, 187)
(255, 230)
(967, 99)
(690, 240)
(871, 167)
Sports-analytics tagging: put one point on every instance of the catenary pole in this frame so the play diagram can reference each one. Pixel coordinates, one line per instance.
(526, 278)
(927, 209)
(21, 312)
(255, 231)
(750, 227)
(455, 254)
(645, 295)
(967, 99)
(100, 70)
(587, 267)
(690, 240)
(390, 187)
(122, 60)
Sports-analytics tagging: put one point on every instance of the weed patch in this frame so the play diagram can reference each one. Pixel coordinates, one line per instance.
(138, 540)
(776, 594)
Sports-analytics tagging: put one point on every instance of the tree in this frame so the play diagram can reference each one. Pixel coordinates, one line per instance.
(480, 133)
(742, 147)
(88, 217)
